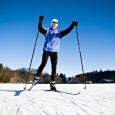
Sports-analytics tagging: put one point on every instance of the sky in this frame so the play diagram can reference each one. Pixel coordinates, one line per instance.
(96, 31)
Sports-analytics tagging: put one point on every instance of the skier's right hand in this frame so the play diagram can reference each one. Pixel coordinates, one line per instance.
(75, 23)
(41, 18)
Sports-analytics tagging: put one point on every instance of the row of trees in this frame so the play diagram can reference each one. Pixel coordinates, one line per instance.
(4, 74)
(96, 76)
(10, 76)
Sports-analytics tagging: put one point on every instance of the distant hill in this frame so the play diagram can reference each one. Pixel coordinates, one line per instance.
(32, 71)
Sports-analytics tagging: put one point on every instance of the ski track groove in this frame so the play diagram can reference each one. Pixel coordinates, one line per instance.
(63, 99)
(74, 104)
(19, 106)
(34, 110)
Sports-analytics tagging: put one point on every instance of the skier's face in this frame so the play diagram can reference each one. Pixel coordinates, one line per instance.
(54, 24)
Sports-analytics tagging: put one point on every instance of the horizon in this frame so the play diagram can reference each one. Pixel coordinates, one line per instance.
(59, 73)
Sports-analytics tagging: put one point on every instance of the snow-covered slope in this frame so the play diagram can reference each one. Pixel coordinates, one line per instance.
(97, 99)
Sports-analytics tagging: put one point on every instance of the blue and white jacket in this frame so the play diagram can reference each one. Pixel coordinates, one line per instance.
(53, 37)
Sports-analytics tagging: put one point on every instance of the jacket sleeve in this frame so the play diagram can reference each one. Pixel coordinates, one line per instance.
(41, 29)
(66, 31)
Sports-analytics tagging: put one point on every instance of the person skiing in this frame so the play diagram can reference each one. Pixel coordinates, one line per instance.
(51, 48)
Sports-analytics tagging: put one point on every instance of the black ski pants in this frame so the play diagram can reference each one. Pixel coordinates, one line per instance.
(53, 58)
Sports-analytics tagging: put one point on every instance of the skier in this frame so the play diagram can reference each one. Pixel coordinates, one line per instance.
(51, 48)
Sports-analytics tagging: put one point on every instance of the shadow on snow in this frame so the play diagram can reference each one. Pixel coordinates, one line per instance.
(17, 92)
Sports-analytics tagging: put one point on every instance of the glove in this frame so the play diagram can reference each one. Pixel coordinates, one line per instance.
(41, 18)
(75, 23)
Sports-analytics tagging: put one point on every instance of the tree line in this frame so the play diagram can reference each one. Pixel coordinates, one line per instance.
(93, 77)
(13, 76)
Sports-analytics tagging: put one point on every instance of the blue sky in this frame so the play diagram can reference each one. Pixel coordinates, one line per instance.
(96, 29)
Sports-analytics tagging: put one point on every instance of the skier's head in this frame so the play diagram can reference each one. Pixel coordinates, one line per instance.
(54, 23)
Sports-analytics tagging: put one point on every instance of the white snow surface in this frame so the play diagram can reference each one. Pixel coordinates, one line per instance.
(96, 99)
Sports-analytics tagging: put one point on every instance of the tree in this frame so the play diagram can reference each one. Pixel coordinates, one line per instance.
(4, 79)
(63, 76)
(45, 75)
(82, 78)
(47, 79)
(69, 78)
(1, 66)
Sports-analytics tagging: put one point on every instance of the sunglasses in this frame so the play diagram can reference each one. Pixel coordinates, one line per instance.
(55, 22)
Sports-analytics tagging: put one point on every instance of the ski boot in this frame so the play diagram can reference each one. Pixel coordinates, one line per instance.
(35, 80)
(52, 86)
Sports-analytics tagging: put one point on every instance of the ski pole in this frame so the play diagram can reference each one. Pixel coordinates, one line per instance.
(31, 59)
(80, 54)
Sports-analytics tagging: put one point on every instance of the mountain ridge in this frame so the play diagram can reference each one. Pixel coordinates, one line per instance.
(32, 70)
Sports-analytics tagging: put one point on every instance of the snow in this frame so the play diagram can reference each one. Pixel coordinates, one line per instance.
(96, 99)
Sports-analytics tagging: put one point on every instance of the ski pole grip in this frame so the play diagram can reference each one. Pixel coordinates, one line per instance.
(76, 22)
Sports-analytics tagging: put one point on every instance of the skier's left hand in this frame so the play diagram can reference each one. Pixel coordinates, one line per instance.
(41, 18)
(75, 22)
